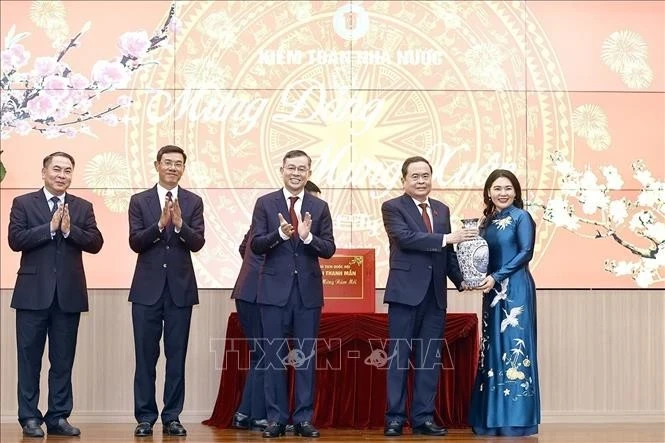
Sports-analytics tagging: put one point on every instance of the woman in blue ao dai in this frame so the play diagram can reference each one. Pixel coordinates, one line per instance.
(506, 396)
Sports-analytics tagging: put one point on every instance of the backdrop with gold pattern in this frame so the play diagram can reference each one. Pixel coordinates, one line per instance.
(568, 95)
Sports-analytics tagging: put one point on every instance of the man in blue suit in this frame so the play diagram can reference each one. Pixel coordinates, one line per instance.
(421, 257)
(51, 228)
(165, 227)
(292, 229)
(251, 412)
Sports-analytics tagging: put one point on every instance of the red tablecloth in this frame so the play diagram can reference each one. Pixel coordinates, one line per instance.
(350, 393)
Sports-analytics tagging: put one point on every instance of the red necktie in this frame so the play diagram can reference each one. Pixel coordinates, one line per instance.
(292, 214)
(428, 224)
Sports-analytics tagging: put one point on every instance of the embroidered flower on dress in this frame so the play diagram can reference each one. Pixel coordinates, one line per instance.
(501, 223)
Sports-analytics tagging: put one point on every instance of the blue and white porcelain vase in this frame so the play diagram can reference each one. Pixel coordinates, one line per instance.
(473, 256)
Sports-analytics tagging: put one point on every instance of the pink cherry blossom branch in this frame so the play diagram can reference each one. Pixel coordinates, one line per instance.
(154, 41)
(91, 117)
(71, 44)
(5, 78)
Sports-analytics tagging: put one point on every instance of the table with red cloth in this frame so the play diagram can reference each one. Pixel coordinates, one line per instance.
(350, 384)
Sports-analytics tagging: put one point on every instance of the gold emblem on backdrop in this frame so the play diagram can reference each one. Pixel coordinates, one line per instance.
(470, 85)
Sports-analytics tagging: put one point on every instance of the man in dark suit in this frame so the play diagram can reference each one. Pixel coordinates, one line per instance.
(165, 227)
(421, 257)
(292, 229)
(251, 412)
(51, 228)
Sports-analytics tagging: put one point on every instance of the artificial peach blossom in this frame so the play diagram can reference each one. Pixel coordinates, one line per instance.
(134, 44)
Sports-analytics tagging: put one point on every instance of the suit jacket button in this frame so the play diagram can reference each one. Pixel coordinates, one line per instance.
(429, 267)
(295, 272)
(164, 265)
(295, 255)
(167, 247)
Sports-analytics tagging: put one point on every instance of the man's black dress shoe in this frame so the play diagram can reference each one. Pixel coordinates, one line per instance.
(258, 425)
(63, 428)
(393, 429)
(33, 428)
(430, 428)
(174, 427)
(144, 429)
(306, 429)
(240, 421)
(274, 429)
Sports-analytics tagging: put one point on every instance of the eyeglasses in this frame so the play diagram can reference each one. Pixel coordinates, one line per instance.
(172, 164)
(419, 177)
(292, 169)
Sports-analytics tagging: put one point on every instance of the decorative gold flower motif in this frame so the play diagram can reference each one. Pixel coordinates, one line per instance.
(484, 62)
(106, 171)
(357, 260)
(44, 12)
(51, 17)
(599, 140)
(219, 26)
(637, 76)
(588, 119)
(117, 200)
(623, 49)
(501, 223)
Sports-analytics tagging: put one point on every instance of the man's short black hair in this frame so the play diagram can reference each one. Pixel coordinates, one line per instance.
(171, 148)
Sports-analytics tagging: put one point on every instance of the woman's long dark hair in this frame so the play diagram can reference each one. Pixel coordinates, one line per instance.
(497, 173)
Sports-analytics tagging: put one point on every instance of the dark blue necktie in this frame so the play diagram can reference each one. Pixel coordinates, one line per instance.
(56, 202)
